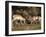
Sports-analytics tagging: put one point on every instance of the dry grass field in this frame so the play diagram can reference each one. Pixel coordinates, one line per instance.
(26, 27)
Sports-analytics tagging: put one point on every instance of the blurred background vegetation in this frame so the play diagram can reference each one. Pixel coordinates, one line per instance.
(26, 11)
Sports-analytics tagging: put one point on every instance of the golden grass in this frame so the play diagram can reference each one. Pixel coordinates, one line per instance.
(26, 27)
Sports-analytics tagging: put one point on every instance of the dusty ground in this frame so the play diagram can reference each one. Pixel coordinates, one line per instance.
(26, 27)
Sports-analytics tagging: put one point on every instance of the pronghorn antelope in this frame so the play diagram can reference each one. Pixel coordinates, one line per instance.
(18, 19)
(33, 20)
(36, 19)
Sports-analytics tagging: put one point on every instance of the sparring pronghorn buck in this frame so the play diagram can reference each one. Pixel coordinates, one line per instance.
(18, 19)
(36, 19)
